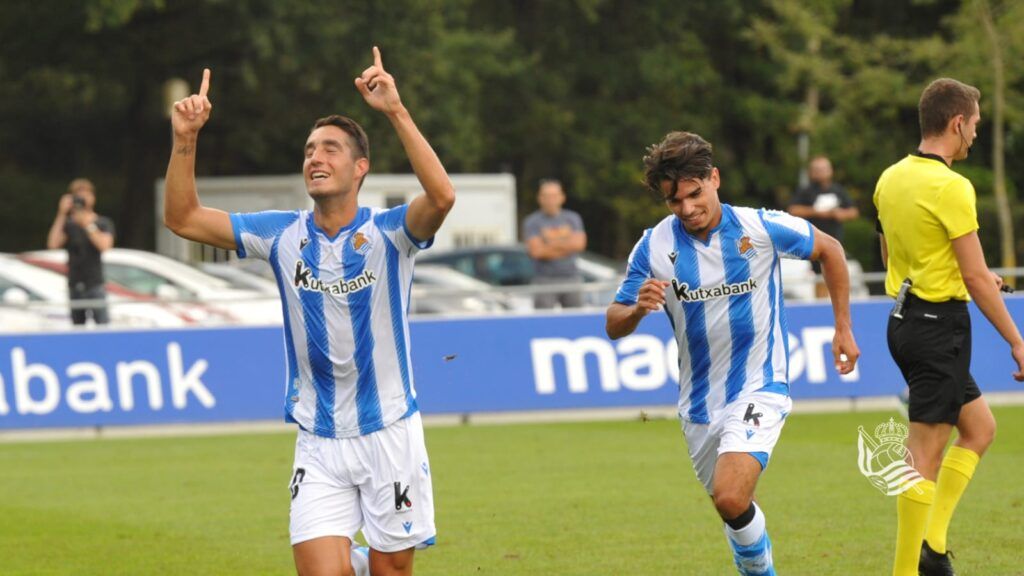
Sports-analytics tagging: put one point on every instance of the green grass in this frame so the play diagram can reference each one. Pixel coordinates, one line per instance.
(591, 498)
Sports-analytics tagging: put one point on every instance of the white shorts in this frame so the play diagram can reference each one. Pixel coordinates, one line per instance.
(379, 483)
(750, 424)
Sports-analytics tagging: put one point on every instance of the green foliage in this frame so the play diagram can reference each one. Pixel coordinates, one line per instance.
(574, 90)
(567, 499)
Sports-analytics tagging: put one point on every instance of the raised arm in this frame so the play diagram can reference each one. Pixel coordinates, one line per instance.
(183, 214)
(984, 286)
(829, 252)
(427, 211)
(56, 238)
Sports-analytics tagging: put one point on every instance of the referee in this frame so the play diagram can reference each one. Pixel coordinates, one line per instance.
(929, 226)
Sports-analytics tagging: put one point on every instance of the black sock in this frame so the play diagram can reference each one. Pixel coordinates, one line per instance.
(742, 520)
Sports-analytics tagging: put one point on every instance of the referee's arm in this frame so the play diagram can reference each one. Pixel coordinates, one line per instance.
(983, 285)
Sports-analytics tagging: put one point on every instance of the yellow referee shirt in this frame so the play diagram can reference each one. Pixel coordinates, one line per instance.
(923, 205)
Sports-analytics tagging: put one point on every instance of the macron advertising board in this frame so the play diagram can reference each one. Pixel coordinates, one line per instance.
(465, 365)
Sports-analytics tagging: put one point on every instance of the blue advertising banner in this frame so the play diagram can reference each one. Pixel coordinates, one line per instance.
(102, 378)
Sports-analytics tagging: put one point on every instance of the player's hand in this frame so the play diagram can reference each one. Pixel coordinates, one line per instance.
(1018, 357)
(65, 204)
(190, 114)
(378, 87)
(845, 351)
(651, 296)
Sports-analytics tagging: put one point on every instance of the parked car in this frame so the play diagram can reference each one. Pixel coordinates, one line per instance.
(441, 290)
(192, 313)
(167, 279)
(510, 265)
(35, 298)
(241, 278)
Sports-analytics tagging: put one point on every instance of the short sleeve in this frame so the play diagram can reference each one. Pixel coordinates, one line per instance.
(575, 222)
(105, 224)
(392, 224)
(845, 200)
(531, 227)
(792, 237)
(637, 271)
(255, 232)
(959, 214)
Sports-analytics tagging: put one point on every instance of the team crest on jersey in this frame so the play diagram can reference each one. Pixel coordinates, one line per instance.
(746, 248)
(360, 243)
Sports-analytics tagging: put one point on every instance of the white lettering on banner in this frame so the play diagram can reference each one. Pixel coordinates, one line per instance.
(544, 350)
(4, 408)
(182, 384)
(23, 375)
(649, 358)
(642, 362)
(96, 386)
(37, 387)
(126, 372)
(814, 339)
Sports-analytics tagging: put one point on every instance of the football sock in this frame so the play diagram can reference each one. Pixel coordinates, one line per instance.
(912, 508)
(360, 557)
(751, 547)
(742, 520)
(957, 469)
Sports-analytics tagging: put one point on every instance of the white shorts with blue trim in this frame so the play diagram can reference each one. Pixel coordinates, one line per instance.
(378, 483)
(752, 424)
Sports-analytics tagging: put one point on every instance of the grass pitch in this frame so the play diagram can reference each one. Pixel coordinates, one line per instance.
(583, 498)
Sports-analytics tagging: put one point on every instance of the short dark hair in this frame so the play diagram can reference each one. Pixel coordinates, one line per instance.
(679, 156)
(545, 181)
(942, 100)
(360, 143)
(81, 183)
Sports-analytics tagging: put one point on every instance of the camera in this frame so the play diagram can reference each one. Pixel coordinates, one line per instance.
(77, 202)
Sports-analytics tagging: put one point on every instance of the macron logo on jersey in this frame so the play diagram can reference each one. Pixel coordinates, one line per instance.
(684, 294)
(305, 280)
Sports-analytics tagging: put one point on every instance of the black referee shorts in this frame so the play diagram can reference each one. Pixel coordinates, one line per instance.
(932, 347)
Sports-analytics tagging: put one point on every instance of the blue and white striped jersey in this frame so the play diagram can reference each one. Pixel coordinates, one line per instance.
(724, 303)
(345, 301)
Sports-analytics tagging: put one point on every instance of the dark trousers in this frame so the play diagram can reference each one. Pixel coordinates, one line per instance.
(99, 313)
(549, 299)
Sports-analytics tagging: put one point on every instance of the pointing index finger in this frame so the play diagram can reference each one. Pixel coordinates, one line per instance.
(376, 58)
(205, 86)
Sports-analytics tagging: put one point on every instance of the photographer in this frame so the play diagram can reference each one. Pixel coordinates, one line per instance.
(85, 234)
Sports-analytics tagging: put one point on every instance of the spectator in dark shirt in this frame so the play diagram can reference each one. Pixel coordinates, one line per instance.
(85, 234)
(826, 204)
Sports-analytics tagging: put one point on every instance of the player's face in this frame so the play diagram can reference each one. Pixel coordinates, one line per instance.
(968, 132)
(330, 168)
(695, 203)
